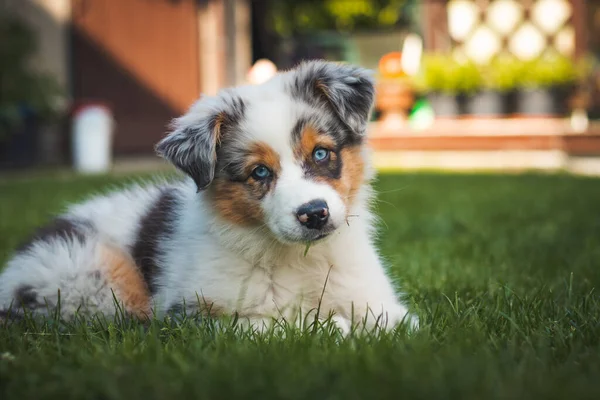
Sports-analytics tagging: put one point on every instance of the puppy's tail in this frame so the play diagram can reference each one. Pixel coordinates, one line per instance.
(68, 277)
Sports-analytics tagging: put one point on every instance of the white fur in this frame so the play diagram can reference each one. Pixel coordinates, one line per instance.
(259, 272)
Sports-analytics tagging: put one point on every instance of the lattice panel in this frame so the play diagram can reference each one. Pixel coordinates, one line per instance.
(481, 29)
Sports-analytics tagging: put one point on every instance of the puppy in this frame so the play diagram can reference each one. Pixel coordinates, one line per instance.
(272, 220)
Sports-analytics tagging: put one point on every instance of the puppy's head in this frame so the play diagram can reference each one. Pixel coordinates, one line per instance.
(286, 154)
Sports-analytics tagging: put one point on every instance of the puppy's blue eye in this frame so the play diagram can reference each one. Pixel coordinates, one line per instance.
(320, 154)
(261, 172)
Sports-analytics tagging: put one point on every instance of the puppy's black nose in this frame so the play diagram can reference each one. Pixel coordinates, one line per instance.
(314, 214)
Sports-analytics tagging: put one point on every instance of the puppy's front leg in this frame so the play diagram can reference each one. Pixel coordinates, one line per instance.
(363, 290)
(384, 315)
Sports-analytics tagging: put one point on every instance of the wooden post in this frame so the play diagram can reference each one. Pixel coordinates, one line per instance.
(224, 29)
(435, 25)
(580, 27)
(243, 40)
(212, 45)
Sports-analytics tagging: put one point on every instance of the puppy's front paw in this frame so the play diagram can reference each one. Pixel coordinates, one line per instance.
(399, 314)
(342, 324)
(389, 317)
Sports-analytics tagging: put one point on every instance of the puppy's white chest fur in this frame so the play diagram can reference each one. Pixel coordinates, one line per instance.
(277, 288)
(247, 273)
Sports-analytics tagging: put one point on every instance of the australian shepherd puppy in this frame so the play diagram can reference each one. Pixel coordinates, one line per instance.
(272, 221)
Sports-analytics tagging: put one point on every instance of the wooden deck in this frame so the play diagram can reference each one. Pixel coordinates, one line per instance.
(495, 144)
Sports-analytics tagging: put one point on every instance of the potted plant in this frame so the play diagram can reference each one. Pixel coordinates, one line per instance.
(544, 86)
(28, 98)
(498, 81)
(440, 79)
(482, 97)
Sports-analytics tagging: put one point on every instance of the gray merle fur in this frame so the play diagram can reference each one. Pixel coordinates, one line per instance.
(156, 226)
(60, 228)
(346, 90)
(193, 148)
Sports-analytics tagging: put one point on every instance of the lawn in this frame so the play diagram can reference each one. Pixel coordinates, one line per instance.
(501, 269)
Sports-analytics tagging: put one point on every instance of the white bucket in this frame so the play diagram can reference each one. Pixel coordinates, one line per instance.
(92, 139)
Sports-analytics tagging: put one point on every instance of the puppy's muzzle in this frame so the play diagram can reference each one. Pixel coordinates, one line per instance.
(314, 214)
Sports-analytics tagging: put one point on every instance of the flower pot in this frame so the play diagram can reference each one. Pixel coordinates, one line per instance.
(445, 105)
(541, 102)
(486, 103)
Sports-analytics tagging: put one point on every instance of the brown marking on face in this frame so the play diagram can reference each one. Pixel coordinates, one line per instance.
(309, 139)
(239, 200)
(126, 281)
(344, 171)
(262, 153)
(353, 174)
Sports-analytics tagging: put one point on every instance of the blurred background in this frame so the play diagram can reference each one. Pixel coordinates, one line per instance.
(462, 84)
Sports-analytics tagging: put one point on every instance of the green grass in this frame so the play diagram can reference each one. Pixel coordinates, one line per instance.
(501, 269)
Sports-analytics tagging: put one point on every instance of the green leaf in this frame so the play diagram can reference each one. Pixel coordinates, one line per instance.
(308, 244)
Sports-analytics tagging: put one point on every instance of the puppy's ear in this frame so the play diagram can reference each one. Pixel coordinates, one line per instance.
(193, 143)
(347, 90)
